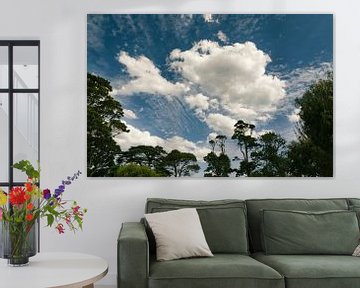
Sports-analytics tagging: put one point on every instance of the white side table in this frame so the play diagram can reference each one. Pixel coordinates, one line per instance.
(50, 270)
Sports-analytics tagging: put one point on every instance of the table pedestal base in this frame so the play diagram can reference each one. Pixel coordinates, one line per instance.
(89, 286)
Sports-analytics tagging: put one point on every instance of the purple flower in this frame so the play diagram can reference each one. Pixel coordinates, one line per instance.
(46, 194)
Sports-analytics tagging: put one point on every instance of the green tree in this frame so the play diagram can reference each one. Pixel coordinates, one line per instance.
(135, 170)
(218, 166)
(104, 115)
(144, 155)
(179, 164)
(243, 134)
(270, 156)
(220, 141)
(312, 154)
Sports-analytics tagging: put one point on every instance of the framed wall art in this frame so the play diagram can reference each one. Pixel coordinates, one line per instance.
(210, 95)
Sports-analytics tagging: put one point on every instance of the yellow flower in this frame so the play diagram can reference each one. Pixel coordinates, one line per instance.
(3, 198)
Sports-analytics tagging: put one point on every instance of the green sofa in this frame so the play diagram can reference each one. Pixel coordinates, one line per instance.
(234, 232)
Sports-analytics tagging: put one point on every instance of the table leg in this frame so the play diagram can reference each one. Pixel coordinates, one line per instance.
(89, 286)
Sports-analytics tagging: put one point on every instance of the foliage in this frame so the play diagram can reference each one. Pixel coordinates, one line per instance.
(104, 115)
(218, 166)
(28, 203)
(312, 154)
(267, 155)
(270, 156)
(179, 164)
(144, 155)
(135, 170)
(243, 134)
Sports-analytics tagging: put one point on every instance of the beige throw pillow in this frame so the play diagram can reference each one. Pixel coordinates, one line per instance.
(178, 234)
(357, 251)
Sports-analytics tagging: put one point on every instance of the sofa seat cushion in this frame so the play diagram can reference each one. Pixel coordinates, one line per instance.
(222, 270)
(313, 271)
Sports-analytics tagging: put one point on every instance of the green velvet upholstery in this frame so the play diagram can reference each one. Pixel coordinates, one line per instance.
(222, 270)
(294, 232)
(223, 221)
(137, 269)
(315, 271)
(133, 256)
(255, 206)
(353, 202)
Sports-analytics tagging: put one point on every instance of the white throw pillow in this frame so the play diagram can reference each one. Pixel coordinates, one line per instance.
(178, 234)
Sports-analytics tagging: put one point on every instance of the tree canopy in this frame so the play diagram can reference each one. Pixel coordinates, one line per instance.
(104, 115)
(265, 155)
(312, 153)
(179, 164)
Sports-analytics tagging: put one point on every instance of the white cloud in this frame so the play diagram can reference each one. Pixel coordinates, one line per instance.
(232, 74)
(129, 114)
(294, 117)
(145, 77)
(198, 101)
(211, 136)
(222, 36)
(184, 145)
(137, 137)
(221, 124)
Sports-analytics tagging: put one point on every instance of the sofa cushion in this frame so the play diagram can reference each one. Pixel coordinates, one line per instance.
(223, 221)
(297, 232)
(313, 271)
(254, 217)
(178, 234)
(222, 270)
(353, 201)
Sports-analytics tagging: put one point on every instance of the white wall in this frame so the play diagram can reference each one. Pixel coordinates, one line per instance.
(61, 27)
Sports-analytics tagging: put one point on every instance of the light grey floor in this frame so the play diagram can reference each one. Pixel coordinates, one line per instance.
(104, 286)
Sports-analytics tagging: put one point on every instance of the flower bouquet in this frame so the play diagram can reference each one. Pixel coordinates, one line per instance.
(21, 208)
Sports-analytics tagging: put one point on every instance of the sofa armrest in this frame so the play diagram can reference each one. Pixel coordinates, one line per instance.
(133, 256)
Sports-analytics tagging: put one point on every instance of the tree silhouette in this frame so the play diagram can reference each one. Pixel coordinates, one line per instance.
(270, 156)
(218, 166)
(104, 115)
(220, 141)
(179, 164)
(312, 154)
(243, 134)
(144, 155)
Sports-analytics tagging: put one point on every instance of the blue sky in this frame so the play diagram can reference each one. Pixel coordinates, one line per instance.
(182, 79)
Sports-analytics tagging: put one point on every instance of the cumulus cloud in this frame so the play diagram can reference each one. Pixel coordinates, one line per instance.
(221, 124)
(294, 117)
(222, 36)
(137, 137)
(232, 74)
(198, 101)
(129, 114)
(146, 77)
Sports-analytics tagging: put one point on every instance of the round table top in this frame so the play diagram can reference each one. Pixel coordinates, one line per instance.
(67, 270)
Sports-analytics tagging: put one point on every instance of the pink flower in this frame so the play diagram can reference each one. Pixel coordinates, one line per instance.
(60, 228)
(1, 213)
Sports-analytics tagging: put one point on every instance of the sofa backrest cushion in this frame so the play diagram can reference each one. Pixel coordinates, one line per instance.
(298, 232)
(223, 221)
(256, 205)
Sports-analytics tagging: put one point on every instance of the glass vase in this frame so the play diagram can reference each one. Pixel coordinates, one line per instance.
(18, 242)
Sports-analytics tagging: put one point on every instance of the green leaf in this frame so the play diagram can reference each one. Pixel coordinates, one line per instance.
(50, 219)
